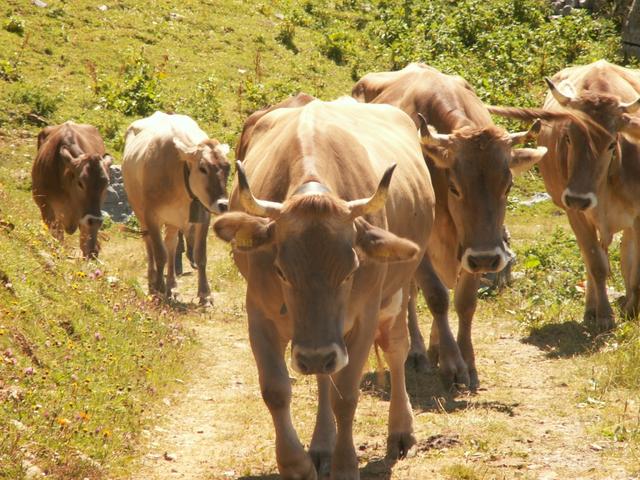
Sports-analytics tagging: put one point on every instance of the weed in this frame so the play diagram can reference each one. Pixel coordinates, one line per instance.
(286, 35)
(14, 25)
(35, 100)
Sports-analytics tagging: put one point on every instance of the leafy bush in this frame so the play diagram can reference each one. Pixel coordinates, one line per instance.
(338, 46)
(14, 25)
(205, 104)
(286, 34)
(9, 71)
(135, 91)
(31, 99)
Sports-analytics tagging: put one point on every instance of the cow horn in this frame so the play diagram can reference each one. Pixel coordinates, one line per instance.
(430, 136)
(376, 202)
(521, 137)
(631, 107)
(562, 99)
(260, 208)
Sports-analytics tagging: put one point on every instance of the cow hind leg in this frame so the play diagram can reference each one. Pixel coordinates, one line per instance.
(417, 357)
(324, 434)
(466, 299)
(401, 438)
(160, 259)
(200, 258)
(171, 244)
(630, 263)
(443, 348)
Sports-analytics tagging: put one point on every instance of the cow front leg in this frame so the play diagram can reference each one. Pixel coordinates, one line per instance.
(466, 299)
(597, 264)
(323, 441)
(443, 348)
(171, 244)
(344, 396)
(417, 357)
(401, 437)
(200, 259)
(268, 350)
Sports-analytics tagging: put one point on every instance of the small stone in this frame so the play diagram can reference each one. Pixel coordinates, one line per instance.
(103, 8)
(279, 16)
(39, 3)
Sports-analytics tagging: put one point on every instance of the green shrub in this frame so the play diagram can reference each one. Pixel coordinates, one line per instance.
(31, 99)
(205, 105)
(8, 71)
(135, 91)
(338, 46)
(14, 25)
(286, 34)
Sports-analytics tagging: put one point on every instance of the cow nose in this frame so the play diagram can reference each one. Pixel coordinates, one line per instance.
(222, 205)
(579, 201)
(484, 263)
(310, 361)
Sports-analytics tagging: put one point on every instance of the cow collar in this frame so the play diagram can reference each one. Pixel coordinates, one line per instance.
(196, 208)
(312, 188)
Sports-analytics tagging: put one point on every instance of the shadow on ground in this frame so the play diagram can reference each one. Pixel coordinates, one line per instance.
(562, 340)
(428, 395)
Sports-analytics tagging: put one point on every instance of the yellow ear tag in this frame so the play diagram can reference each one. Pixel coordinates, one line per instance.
(244, 239)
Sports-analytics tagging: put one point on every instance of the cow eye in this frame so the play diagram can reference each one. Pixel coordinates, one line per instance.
(613, 145)
(454, 191)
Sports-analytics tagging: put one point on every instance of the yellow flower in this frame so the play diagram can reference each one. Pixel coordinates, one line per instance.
(63, 422)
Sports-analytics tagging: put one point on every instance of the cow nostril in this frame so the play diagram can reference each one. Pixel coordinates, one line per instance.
(330, 363)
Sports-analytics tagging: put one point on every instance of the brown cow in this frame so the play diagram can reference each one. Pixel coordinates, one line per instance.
(174, 176)
(592, 171)
(70, 176)
(328, 268)
(471, 163)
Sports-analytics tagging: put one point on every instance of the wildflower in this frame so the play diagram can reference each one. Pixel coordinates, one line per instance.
(29, 371)
(63, 422)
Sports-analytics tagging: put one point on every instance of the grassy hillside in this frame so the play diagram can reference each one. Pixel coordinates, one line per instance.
(84, 354)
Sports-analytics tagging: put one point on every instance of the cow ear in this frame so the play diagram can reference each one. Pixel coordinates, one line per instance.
(107, 160)
(522, 159)
(245, 232)
(441, 156)
(383, 246)
(631, 126)
(185, 150)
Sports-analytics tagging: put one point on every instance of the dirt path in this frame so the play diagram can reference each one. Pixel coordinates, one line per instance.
(532, 419)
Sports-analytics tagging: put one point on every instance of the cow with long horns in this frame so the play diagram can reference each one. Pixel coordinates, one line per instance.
(592, 171)
(328, 258)
(472, 162)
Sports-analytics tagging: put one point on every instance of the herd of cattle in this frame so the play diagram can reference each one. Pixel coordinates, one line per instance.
(341, 207)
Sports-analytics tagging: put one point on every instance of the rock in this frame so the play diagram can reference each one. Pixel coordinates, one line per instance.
(116, 204)
(174, 16)
(566, 10)
(103, 8)
(31, 471)
(39, 3)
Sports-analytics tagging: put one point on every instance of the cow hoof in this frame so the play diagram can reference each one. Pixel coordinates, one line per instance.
(455, 378)
(303, 470)
(418, 361)
(399, 445)
(605, 323)
(205, 301)
(322, 461)
(474, 381)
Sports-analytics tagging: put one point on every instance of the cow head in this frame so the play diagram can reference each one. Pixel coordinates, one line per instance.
(480, 164)
(87, 179)
(591, 147)
(208, 171)
(319, 241)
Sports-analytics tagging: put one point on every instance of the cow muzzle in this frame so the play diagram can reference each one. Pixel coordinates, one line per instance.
(220, 206)
(485, 261)
(91, 221)
(579, 201)
(322, 360)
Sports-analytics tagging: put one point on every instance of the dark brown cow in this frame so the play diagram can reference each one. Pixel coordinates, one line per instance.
(471, 163)
(70, 176)
(328, 267)
(592, 171)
